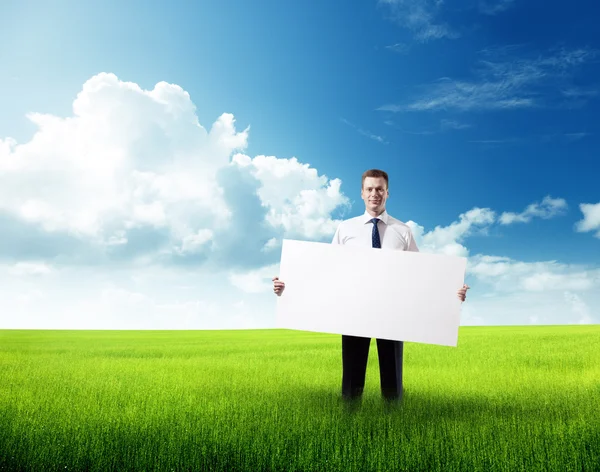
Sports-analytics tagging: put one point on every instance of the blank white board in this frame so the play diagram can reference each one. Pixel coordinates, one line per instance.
(375, 293)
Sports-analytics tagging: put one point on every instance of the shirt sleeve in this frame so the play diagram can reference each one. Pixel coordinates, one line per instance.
(336, 237)
(412, 245)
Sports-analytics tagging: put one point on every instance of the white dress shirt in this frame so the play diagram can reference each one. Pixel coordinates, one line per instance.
(393, 234)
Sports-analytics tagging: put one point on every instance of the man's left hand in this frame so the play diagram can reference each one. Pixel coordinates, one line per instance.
(462, 293)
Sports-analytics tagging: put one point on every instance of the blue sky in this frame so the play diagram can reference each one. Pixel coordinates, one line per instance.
(153, 157)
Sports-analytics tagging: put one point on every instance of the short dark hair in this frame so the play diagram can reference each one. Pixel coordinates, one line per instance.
(374, 173)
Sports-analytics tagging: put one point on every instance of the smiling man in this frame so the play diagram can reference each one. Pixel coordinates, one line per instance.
(374, 228)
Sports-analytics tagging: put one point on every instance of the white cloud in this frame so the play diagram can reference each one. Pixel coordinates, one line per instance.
(297, 199)
(446, 124)
(30, 268)
(400, 48)
(548, 208)
(271, 244)
(578, 92)
(546, 280)
(525, 308)
(503, 84)
(576, 136)
(470, 316)
(447, 239)
(368, 134)
(507, 275)
(132, 174)
(490, 7)
(424, 17)
(127, 158)
(421, 17)
(195, 242)
(130, 298)
(255, 281)
(591, 218)
(579, 308)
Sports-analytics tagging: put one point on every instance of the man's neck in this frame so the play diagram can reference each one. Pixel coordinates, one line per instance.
(375, 214)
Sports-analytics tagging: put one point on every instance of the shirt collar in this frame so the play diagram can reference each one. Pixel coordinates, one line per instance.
(383, 217)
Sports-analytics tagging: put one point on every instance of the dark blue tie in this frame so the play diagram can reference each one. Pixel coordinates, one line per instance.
(375, 241)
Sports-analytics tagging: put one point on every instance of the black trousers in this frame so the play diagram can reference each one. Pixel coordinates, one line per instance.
(355, 352)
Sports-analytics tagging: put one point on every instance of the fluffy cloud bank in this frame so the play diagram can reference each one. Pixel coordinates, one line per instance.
(510, 291)
(300, 201)
(448, 239)
(133, 175)
(508, 275)
(108, 214)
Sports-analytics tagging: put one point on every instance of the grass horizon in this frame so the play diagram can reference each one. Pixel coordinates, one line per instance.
(507, 398)
(461, 327)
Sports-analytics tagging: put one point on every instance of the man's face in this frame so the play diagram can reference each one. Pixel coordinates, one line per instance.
(374, 193)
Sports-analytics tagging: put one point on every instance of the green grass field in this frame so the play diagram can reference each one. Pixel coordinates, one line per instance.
(507, 398)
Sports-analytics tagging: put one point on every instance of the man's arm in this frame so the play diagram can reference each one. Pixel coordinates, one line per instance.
(412, 245)
(337, 239)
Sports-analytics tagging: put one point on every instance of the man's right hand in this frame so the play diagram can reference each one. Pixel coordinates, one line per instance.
(278, 286)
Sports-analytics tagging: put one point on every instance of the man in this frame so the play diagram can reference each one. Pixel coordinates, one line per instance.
(375, 228)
